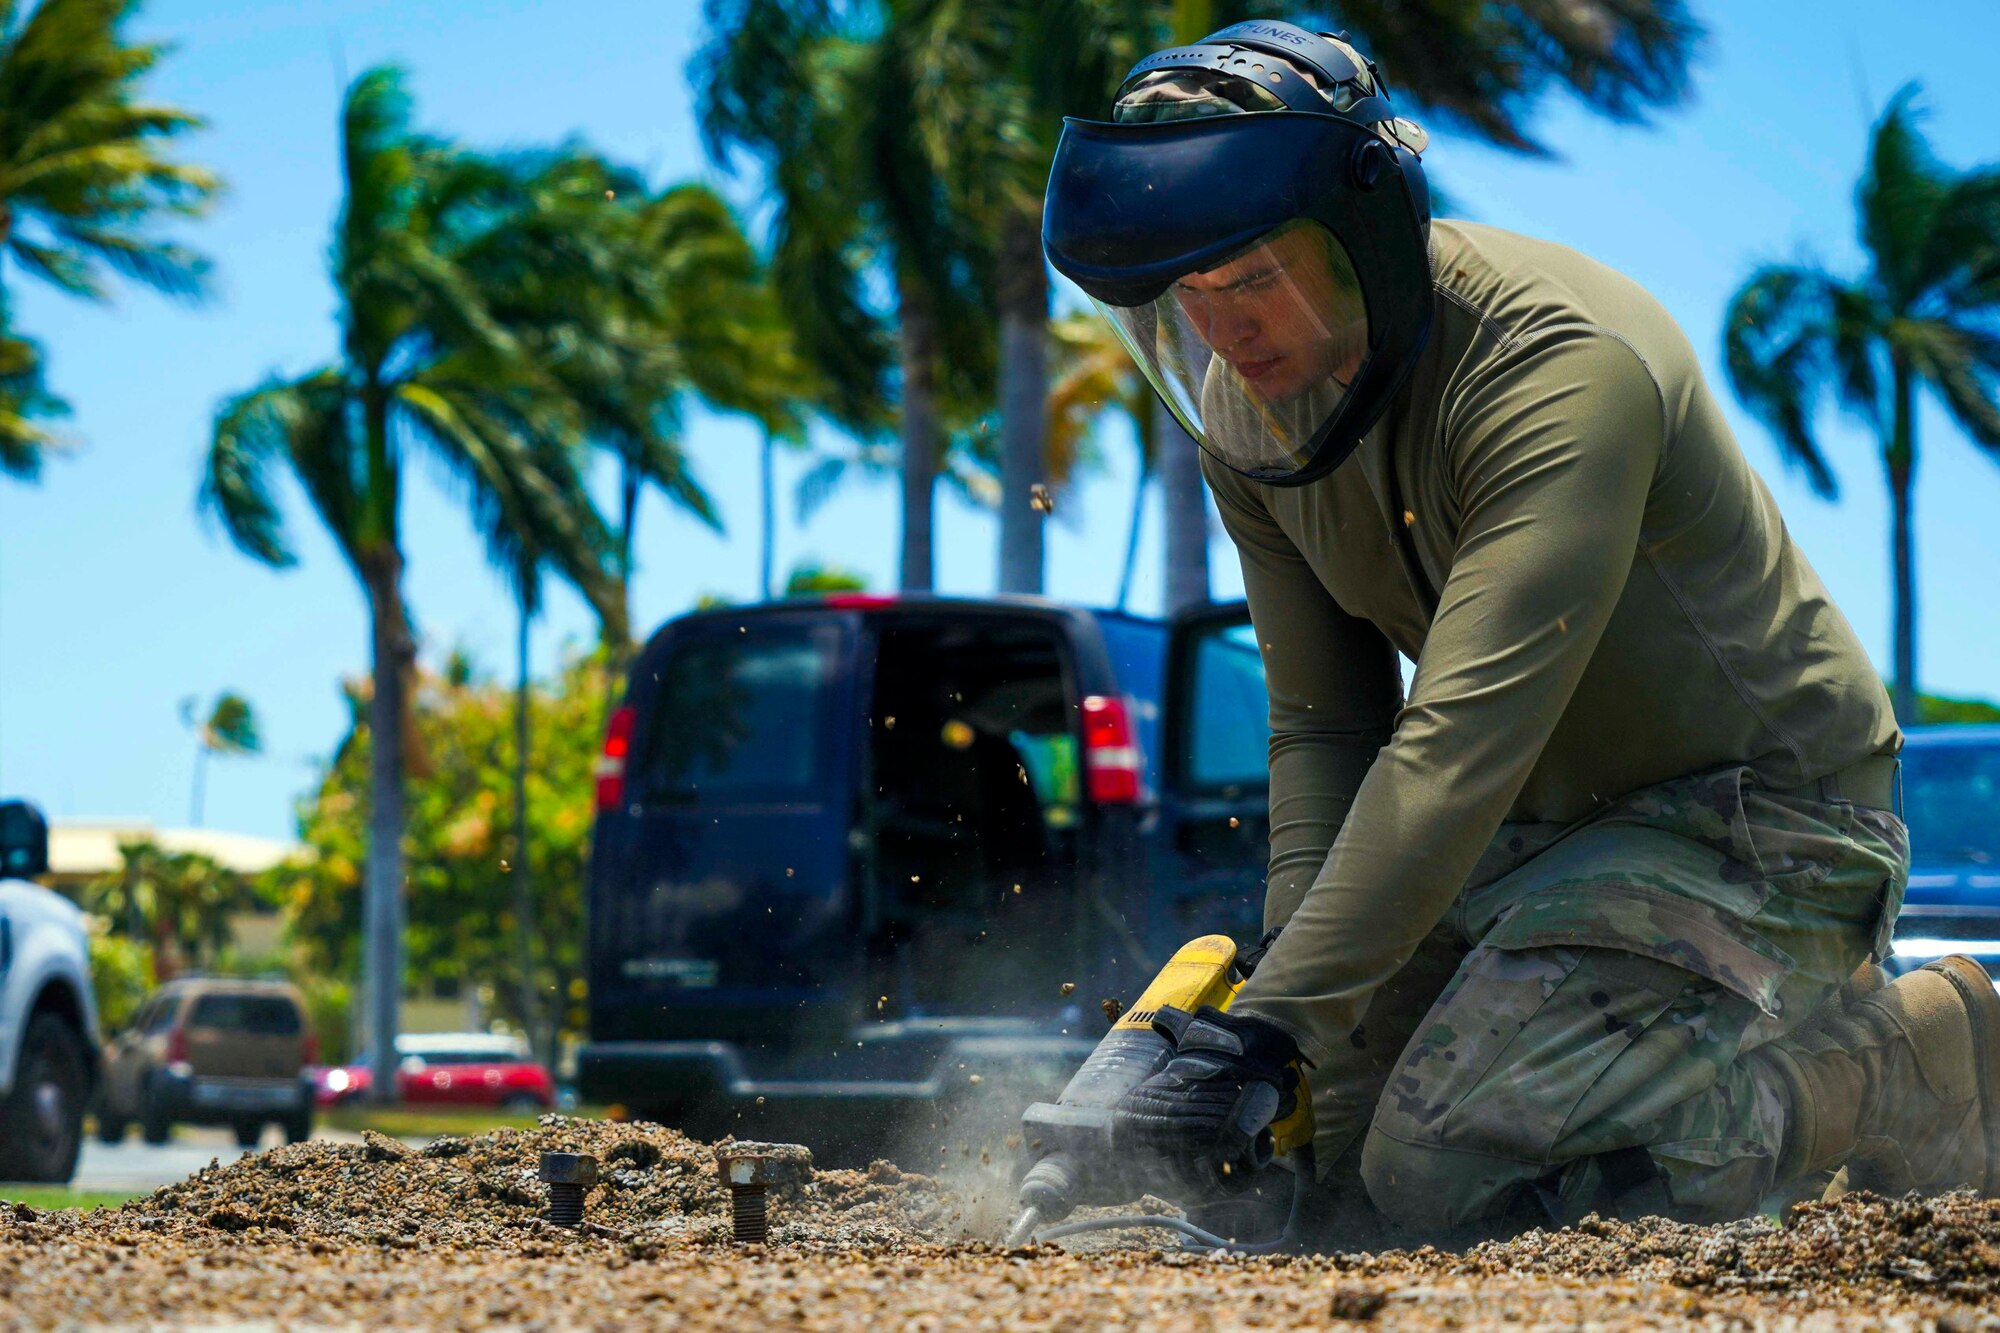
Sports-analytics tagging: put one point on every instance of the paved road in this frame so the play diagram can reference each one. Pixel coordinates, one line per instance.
(133, 1165)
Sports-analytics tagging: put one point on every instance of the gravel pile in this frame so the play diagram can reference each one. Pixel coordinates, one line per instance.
(656, 1187)
(1860, 1244)
(378, 1233)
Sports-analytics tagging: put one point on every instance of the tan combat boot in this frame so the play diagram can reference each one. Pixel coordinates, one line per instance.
(1901, 1083)
(1865, 981)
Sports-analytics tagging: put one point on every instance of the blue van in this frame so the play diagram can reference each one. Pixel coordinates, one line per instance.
(856, 855)
(1951, 800)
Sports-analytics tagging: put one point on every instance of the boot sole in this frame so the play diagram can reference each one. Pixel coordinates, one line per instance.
(1982, 1007)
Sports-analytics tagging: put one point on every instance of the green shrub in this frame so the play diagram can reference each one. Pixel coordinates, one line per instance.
(330, 1010)
(121, 974)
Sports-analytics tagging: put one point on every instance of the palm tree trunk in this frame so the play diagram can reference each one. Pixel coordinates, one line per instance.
(1184, 503)
(767, 539)
(1024, 397)
(918, 352)
(517, 869)
(1132, 533)
(1902, 466)
(628, 515)
(200, 781)
(618, 639)
(382, 909)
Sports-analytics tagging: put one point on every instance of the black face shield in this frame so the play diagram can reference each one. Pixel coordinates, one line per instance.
(1268, 270)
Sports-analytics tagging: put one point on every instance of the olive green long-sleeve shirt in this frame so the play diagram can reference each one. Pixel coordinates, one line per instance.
(1617, 603)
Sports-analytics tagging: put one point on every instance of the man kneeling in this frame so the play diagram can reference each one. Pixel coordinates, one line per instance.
(1588, 921)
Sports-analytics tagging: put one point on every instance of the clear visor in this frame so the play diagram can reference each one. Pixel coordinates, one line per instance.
(1257, 353)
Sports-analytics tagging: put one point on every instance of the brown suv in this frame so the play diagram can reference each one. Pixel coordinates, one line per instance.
(212, 1051)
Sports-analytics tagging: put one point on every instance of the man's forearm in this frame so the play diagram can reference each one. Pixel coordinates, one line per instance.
(1314, 776)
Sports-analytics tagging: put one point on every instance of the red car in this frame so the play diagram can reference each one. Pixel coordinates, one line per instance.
(452, 1069)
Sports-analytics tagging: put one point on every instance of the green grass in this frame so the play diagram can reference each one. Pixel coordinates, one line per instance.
(61, 1196)
(401, 1122)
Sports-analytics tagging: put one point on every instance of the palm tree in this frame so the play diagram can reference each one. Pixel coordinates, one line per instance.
(639, 303)
(821, 95)
(1923, 315)
(628, 302)
(566, 532)
(996, 78)
(425, 367)
(230, 728)
(791, 436)
(716, 304)
(82, 179)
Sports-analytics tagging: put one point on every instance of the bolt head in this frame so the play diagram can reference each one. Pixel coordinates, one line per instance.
(569, 1168)
(785, 1163)
(738, 1169)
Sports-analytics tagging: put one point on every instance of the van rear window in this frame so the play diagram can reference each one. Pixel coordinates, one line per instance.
(1229, 728)
(739, 716)
(261, 1015)
(1951, 797)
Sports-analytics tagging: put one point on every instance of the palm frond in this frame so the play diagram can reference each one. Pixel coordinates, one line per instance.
(165, 267)
(231, 727)
(1899, 197)
(1093, 375)
(820, 483)
(97, 169)
(1960, 265)
(25, 402)
(662, 462)
(1961, 365)
(527, 499)
(298, 422)
(752, 78)
(58, 267)
(976, 484)
(823, 480)
(379, 171)
(1778, 339)
(1485, 68)
(819, 273)
(1857, 324)
(65, 56)
(82, 170)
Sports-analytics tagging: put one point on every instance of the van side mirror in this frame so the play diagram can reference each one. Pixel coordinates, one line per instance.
(24, 841)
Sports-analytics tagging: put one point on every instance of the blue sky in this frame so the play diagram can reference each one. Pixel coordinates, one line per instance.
(116, 601)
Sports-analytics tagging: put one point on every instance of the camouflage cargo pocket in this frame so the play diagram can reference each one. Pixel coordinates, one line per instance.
(1714, 838)
(1771, 896)
(1779, 843)
(1666, 926)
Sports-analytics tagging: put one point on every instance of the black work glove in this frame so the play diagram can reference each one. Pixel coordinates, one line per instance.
(1200, 1128)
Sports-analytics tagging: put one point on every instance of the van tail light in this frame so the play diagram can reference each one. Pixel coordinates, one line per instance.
(1112, 764)
(177, 1046)
(311, 1052)
(611, 765)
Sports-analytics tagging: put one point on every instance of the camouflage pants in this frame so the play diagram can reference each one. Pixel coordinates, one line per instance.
(1571, 1034)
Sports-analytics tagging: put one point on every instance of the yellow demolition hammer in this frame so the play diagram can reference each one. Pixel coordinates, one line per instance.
(1072, 1159)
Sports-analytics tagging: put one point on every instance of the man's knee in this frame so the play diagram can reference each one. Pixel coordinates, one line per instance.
(1431, 1188)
